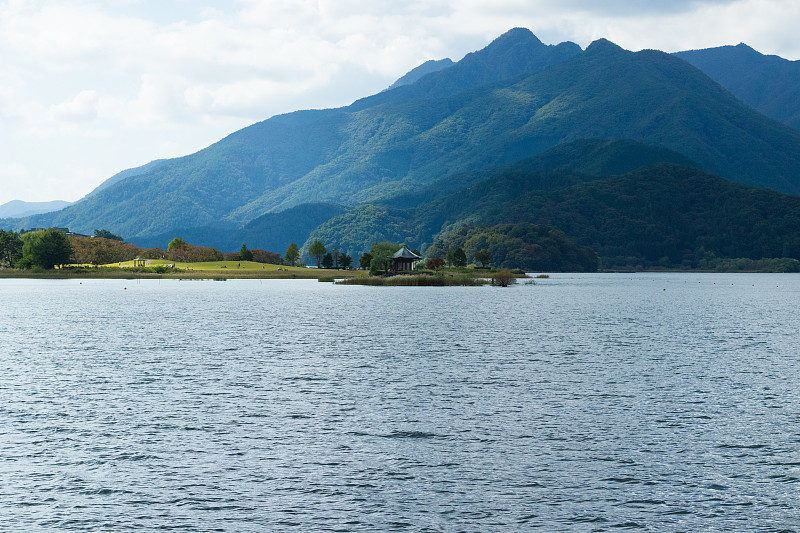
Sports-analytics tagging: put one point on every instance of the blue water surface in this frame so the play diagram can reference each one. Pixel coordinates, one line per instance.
(649, 402)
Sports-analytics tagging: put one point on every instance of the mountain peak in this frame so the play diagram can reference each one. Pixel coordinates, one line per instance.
(515, 35)
(603, 46)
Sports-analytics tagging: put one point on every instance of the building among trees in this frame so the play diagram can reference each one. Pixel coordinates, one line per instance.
(403, 260)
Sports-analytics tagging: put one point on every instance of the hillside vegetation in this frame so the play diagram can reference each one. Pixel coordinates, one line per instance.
(511, 100)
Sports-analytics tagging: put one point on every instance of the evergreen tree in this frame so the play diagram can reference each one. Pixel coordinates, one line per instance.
(459, 258)
(327, 261)
(365, 261)
(317, 251)
(245, 254)
(449, 257)
(292, 255)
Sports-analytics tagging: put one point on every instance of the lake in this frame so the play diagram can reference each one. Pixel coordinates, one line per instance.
(606, 402)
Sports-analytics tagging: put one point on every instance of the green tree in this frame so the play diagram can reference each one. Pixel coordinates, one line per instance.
(459, 258)
(484, 257)
(345, 261)
(335, 256)
(317, 250)
(504, 278)
(365, 260)
(46, 248)
(245, 254)
(327, 261)
(449, 257)
(10, 248)
(382, 253)
(178, 249)
(176, 243)
(292, 255)
(105, 234)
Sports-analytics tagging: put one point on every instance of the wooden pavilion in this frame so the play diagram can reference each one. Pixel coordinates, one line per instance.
(403, 260)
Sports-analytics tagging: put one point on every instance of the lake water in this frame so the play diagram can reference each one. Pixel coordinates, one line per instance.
(650, 402)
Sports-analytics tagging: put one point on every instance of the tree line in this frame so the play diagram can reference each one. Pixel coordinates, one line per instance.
(52, 247)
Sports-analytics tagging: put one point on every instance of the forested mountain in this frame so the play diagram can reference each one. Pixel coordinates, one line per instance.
(438, 142)
(273, 231)
(426, 68)
(769, 83)
(632, 204)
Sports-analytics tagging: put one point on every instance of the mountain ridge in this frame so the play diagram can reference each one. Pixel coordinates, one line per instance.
(444, 124)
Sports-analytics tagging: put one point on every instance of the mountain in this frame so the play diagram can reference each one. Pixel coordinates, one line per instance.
(769, 83)
(635, 206)
(18, 208)
(129, 173)
(666, 215)
(272, 231)
(415, 74)
(514, 99)
(418, 219)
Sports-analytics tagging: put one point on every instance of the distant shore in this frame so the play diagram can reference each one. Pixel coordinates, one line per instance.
(220, 270)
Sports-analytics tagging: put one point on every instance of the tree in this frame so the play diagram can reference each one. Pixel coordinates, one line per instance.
(292, 255)
(181, 251)
(365, 260)
(105, 234)
(100, 251)
(245, 254)
(263, 256)
(459, 258)
(435, 263)
(327, 261)
(449, 257)
(345, 261)
(46, 248)
(335, 257)
(317, 251)
(10, 248)
(504, 278)
(176, 243)
(484, 257)
(382, 253)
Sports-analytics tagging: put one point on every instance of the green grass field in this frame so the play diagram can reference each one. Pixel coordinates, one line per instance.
(214, 269)
(238, 269)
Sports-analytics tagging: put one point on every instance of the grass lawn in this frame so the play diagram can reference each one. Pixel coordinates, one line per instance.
(213, 269)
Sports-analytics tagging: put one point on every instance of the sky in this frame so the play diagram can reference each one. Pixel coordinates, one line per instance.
(89, 88)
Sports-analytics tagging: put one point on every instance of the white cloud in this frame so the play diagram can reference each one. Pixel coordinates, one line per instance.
(98, 86)
(82, 108)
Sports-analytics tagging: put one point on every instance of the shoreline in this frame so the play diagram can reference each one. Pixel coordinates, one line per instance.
(197, 274)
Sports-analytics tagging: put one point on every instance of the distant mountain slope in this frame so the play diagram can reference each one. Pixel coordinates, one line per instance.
(417, 218)
(769, 83)
(665, 214)
(658, 215)
(273, 231)
(426, 68)
(18, 208)
(515, 98)
(138, 171)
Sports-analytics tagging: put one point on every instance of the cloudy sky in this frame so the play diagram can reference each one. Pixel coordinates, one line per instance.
(89, 88)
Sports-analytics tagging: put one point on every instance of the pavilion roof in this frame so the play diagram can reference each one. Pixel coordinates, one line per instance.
(405, 253)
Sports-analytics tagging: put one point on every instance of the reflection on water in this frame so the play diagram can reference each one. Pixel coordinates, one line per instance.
(586, 402)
